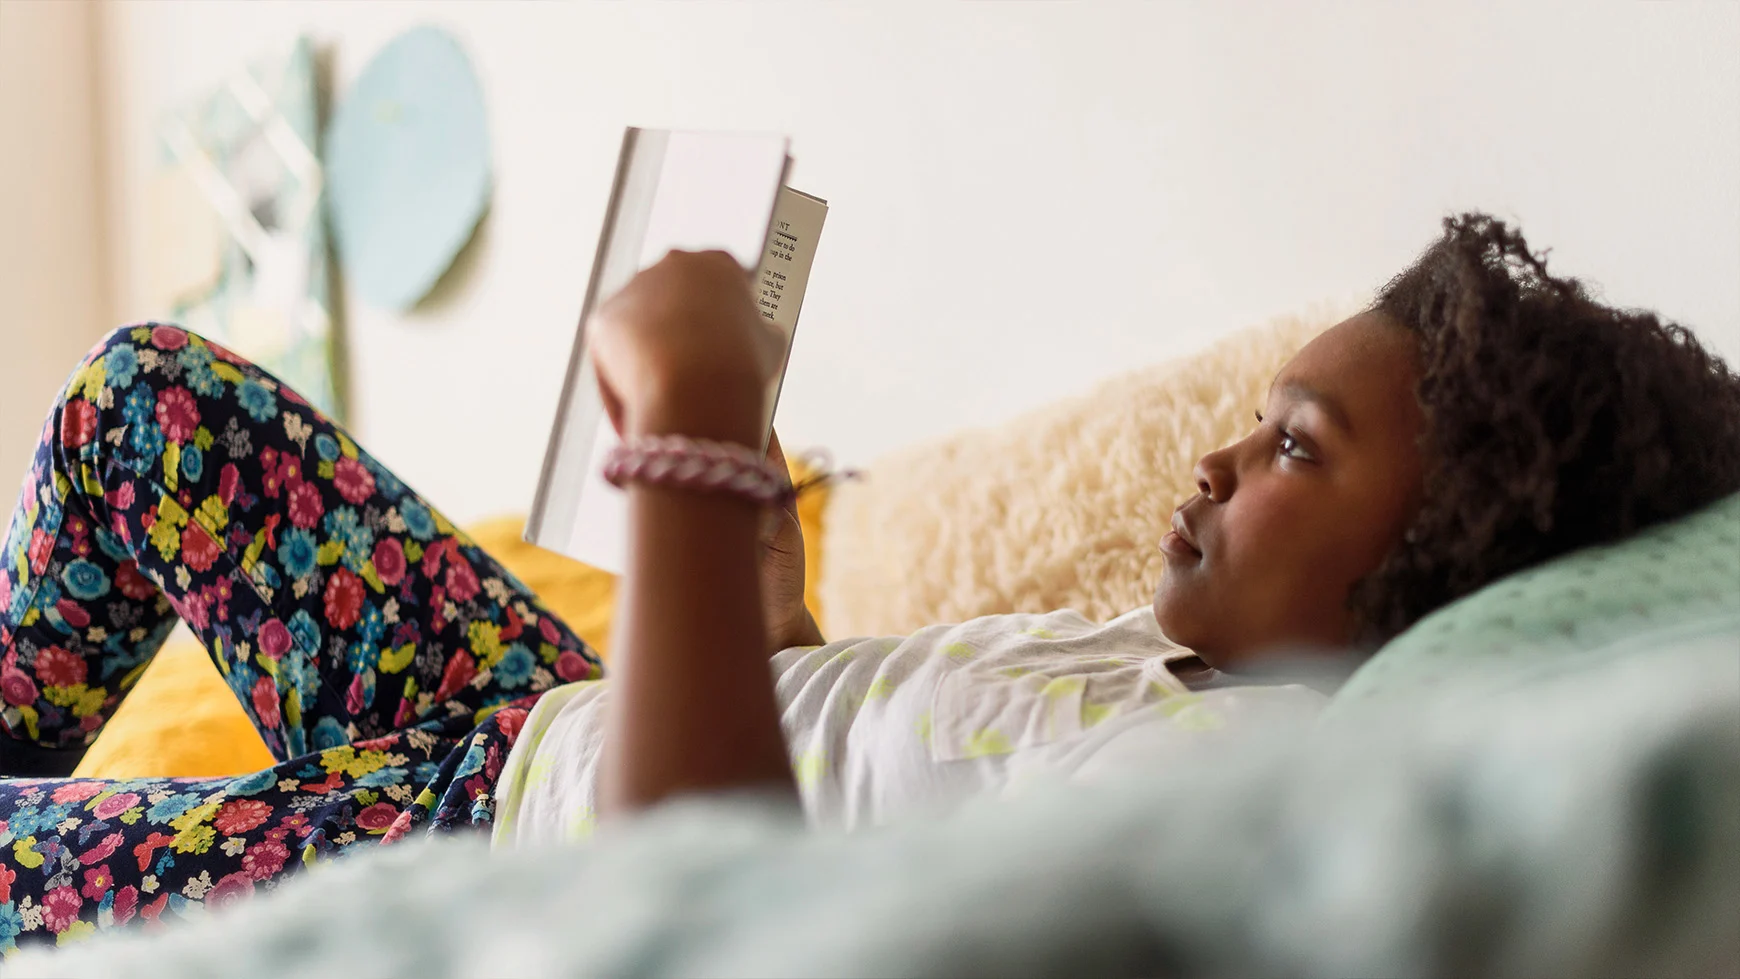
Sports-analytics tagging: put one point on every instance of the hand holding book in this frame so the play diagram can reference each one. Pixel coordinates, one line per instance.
(682, 350)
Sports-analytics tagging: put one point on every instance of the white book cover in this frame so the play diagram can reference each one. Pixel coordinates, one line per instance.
(673, 190)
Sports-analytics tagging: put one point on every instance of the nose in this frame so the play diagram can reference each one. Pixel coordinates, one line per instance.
(1215, 475)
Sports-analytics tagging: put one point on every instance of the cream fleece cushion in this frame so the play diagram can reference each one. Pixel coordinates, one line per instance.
(1062, 507)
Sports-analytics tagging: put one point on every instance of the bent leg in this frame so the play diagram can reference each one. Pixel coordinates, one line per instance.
(176, 478)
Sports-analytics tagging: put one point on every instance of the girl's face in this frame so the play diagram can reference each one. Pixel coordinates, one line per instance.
(1286, 520)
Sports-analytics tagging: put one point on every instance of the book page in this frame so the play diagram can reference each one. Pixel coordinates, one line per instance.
(673, 190)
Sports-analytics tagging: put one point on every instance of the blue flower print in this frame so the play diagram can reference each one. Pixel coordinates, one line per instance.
(382, 778)
(304, 630)
(147, 441)
(192, 461)
(111, 545)
(296, 552)
(386, 484)
(327, 446)
(362, 656)
(196, 362)
(259, 403)
(85, 580)
(417, 519)
(426, 772)
(120, 365)
(373, 624)
(175, 805)
(11, 923)
(515, 667)
(329, 734)
(252, 784)
(343, 525)
(473, 762)
(140, 405)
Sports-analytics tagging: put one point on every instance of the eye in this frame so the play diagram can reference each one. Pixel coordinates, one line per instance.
(1292, 449)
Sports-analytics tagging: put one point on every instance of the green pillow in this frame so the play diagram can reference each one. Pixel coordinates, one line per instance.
(1670, 581)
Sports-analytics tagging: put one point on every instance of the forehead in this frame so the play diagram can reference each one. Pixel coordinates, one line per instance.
(1367, 365)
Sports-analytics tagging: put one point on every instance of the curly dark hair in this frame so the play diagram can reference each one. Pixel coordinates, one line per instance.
(1553, 421)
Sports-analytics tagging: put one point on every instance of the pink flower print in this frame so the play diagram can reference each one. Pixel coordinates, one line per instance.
(78, 423)
(76, 791)
(400, 827)
(344, 597)
(149, 846)
(16, 688)
(168, 338)
(460, 671)
(461, 580)
(229, 480)
(133, 584)
(198, 550)
(5, 594)
(60, 908)
(378, 817)
(74, 613)
(177, 413)
(7, 876)
(41, 546)
(548, 630)
(571, 666)
(98, 880)
(389, 561)
(126, 904)
(432, 560)
(59, 668)
(510, 720)
(355, 483)
(237, 816)
(193, 610)
(274, 639)
(120, 498)
(265, 697)
(116, 804)
(304, 505)
(230, 889)
(224, 353)
(104, 850)
(264, 859)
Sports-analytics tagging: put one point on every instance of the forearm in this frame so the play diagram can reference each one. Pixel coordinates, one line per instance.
(693, 701)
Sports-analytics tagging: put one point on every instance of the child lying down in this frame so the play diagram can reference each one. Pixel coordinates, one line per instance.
(1481, 417)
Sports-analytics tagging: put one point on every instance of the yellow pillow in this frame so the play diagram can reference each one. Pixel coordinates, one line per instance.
(181, 720)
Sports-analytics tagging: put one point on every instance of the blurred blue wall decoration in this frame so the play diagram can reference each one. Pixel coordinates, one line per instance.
(407, 167)
(239, 245)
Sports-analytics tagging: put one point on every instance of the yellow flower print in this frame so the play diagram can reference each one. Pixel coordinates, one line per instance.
(808, 768)
(988, 741)
(486, 642)
(75, 931)
(880, 688)
(395, 660)
(24, 853)
(195, 816)
(352, 762)
(959, 651)
(194, 839)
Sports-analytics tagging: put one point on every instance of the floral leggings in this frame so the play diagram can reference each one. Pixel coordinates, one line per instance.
(385, 657)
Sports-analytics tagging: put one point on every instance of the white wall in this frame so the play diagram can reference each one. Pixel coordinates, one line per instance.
(1025, 196)
(53, 273)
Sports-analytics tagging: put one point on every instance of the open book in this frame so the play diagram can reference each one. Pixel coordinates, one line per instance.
(687, 190)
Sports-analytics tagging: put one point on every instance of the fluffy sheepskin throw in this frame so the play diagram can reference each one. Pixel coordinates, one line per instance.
(1062, 507)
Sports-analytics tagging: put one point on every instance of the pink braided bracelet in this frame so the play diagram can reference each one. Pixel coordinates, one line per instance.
(703, 465)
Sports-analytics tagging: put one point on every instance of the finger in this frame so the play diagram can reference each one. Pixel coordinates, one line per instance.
(775, 454)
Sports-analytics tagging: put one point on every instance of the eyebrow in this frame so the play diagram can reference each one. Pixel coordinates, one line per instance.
(1329, 405)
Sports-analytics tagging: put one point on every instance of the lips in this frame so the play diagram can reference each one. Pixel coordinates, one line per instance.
(1183, 531)
(1181, 542)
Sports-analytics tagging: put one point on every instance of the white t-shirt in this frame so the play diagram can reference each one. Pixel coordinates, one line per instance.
(880, 727)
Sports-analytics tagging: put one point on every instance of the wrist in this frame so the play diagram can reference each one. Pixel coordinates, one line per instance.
(719, 412)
